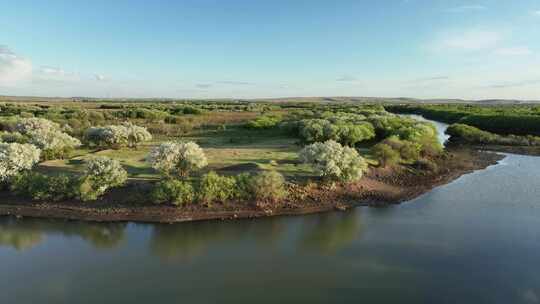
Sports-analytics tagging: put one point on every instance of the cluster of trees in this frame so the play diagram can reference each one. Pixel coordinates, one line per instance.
(393, 150)
(46, 135)
(117, 136)
(100, 174)
(469, 134)
(345, 132)
(34, 139)
(177, 160)
(504, 119)
(406, 133)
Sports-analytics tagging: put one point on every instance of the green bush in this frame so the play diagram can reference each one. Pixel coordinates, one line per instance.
(45, 188)
(385, 154)
(264, 122)
(216, 188)
(173, 191)
(268, 186)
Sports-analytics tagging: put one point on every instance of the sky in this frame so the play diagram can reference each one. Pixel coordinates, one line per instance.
(279, 48)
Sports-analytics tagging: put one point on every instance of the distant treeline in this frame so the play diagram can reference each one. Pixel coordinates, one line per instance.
(519, 120)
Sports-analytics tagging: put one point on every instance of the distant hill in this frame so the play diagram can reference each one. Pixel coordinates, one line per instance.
(336, 99)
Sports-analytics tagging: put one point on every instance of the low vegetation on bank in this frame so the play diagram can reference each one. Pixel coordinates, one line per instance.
(210, 155)
(499, 119)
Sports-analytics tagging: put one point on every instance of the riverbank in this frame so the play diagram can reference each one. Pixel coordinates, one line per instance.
(380, 187)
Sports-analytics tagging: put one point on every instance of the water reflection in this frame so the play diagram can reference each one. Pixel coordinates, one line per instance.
(19, 237)
(331, 232)
(23, 234)
(321, 233)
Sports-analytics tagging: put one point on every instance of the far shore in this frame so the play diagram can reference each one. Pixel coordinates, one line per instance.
(379, 187)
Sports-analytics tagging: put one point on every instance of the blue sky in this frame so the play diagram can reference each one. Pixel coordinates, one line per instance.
(250, 48)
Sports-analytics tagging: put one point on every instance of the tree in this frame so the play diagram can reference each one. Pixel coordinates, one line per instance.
(385, 154)
(177, 158)
(15, 158)
(48, 136)
(101, 174)
(117, 136)
(136, 134)
(332, 160)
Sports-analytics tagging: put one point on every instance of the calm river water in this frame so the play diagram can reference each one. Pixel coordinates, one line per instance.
(476, 240)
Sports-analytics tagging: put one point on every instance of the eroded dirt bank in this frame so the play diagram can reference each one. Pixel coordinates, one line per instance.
(378, 188)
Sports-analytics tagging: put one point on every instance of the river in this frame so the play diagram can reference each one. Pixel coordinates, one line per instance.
(475, 240)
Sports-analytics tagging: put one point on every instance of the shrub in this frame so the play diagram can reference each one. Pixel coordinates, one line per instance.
(15, 158)
(268, 186)
(173, 191)
(28, 125)
(385, 154)
(410, 151)
(338, 128)
(101, 174)
(216, 188)
(332, 160)
(244, 188)
(48, 136)
(264, 122)
(117, 136)
(13, 137)
(177, 158)
(136, 134)
(44, 188)
(113, 137)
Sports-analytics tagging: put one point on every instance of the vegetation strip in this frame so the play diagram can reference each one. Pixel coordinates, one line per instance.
(181, 161)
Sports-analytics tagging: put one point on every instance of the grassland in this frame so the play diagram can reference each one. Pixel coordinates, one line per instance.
(231, 146)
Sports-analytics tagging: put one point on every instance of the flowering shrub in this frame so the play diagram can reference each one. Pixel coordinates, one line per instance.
(332, 160)
(116, 136)
(136, 134)
(177, 158)
(15, 158)
(101, 174)
(27, 125)
(48, 136)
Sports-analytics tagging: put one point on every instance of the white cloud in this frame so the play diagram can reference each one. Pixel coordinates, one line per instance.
(537, 13)
(514, 51)
(347, 78)
(469, 40)
(48, 70)
(100, 77)
(13, 68)
(466, 8)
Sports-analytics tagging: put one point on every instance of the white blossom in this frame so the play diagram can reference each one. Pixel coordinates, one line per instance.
(332, 160)
(45, 134)
(177, 158)
(118, 135)
(15, 158)
(101, 174)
